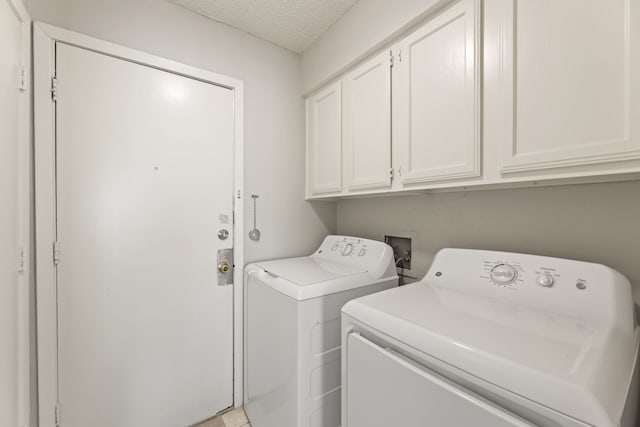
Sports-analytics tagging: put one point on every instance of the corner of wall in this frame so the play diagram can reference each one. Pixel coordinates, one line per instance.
(367, 27)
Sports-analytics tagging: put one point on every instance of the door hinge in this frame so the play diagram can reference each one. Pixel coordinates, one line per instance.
(56, 253)
(391, 58)
(21, 260)
(54, 89)
(391, 173)
(238, 194)
(57, 414)
(22, 79)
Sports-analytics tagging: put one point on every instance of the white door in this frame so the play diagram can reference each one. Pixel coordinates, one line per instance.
(368, 124)
(324, 141)
(13, 290)
(385, 389)
(144, 162)
(437, 97)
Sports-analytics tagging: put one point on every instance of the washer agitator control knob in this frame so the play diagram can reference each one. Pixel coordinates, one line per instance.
(348, 248)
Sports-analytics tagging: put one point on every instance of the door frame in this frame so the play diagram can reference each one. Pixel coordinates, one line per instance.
(24, 226)
(45, 38)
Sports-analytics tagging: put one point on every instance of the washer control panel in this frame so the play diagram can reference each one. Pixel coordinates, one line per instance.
(370, 255)
(350, 246)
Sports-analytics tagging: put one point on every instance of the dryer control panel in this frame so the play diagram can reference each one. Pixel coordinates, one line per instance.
(554, 284)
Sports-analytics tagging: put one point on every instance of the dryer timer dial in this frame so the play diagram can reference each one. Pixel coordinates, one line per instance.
(504, 274)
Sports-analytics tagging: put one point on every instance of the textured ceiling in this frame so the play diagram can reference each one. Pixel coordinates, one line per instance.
(292, 24)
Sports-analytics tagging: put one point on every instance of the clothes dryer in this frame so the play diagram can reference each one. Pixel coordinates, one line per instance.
(494, 339)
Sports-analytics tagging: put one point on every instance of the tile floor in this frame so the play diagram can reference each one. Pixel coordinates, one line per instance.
(233, 418)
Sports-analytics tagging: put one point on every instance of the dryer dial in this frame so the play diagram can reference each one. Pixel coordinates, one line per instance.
(504, 274)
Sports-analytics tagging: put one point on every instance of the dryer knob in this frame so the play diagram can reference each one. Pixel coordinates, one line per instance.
(545, 280)
(504, 274)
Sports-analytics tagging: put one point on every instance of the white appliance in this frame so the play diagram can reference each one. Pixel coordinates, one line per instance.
(292, 336)
(491, 339)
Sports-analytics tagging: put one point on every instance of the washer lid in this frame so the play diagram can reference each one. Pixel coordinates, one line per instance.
(575, 366)
(306, 271)
(310, 277)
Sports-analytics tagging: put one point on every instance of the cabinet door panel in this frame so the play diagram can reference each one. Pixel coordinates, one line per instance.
(438, 96)
(324, 141)
(567, 99)
(368, 126)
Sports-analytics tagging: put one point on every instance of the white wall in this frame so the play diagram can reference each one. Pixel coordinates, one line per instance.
(591, 222)
(365, 28)
(274, 113)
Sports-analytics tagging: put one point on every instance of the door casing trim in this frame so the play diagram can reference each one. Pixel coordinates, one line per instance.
(24, 226)
(45, 37)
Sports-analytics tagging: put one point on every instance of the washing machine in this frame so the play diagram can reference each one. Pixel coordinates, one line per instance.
(292, 329)
(494, 339)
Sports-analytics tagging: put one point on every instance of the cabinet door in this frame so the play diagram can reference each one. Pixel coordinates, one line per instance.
(368, 124)
(324, 141)
(567, 81)
(437, 97)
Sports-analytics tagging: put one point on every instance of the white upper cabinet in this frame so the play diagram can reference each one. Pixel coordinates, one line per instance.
(567, 78)
(324, 141)
(368, 124)
(488, 92)
(437, 97)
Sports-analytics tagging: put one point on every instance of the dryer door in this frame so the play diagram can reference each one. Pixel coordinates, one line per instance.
(384, 389)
